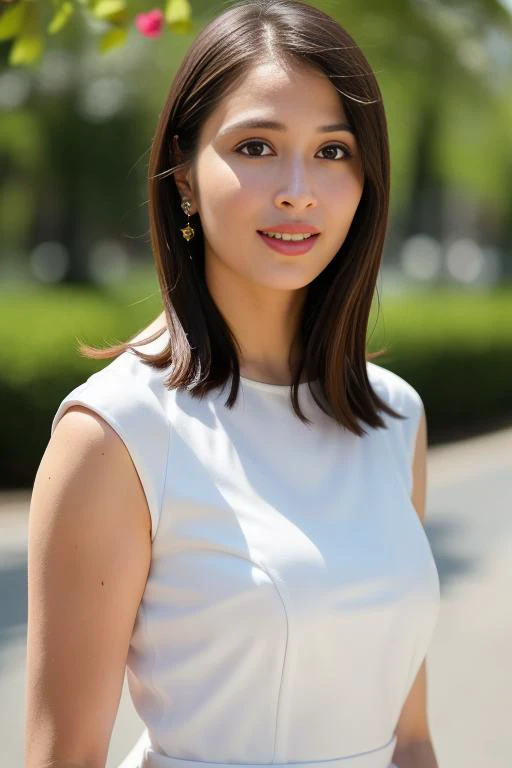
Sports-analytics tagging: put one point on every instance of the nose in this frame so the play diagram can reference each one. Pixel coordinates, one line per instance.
(295, 190)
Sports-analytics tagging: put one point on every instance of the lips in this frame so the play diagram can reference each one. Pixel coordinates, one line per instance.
(292, 228)
(289, 247)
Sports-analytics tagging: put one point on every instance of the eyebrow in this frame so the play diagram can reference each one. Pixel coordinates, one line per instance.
(272, 125)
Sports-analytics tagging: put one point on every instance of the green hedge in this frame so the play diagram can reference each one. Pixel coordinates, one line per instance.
(456, 349)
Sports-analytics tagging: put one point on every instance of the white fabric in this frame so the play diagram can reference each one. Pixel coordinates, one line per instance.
(292, 593)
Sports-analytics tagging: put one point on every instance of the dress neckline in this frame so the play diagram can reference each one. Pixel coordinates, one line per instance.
(266, 386)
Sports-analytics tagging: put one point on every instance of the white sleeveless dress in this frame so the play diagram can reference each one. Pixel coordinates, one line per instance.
(292, 593)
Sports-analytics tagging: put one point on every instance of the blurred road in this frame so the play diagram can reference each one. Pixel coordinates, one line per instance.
(469, 664)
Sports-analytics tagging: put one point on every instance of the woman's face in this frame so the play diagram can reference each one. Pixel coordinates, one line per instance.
(304, 171)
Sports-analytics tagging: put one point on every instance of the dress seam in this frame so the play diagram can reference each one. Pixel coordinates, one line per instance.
(162, 490)
(285, 655)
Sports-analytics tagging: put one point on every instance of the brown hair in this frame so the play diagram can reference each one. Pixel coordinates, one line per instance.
(201, 352)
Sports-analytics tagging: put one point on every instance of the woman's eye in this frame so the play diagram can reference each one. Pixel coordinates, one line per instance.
(252, 145)
(331, 149)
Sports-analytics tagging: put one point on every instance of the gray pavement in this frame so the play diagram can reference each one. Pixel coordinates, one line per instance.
(469, 665)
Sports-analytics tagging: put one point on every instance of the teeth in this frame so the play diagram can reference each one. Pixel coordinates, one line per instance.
(285, 236)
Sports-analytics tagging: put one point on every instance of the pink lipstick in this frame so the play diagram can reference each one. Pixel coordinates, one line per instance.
(289, 247)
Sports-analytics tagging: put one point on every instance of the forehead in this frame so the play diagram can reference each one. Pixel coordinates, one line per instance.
(278, 90)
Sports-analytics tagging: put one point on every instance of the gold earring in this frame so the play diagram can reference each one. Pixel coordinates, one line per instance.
(187, 232)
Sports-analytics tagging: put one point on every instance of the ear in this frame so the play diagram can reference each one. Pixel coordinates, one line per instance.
(183, 178)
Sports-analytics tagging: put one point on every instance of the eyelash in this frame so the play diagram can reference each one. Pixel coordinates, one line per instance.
(348, 153)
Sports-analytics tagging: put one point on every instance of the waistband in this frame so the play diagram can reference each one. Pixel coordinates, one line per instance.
(143, 756)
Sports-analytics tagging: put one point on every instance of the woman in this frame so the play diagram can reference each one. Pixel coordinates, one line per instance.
(233, 511)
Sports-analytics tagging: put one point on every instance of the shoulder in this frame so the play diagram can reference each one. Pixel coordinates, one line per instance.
(131, 397)
(127, 385)
(405, 400)
(130, 393)
(91, 467)
(395, 390)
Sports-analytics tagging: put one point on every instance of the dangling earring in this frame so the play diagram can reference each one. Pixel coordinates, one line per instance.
(187, 232)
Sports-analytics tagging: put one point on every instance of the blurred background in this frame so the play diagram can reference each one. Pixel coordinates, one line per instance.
(78, 109)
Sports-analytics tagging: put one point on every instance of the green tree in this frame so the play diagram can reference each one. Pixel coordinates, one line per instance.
(29, 23)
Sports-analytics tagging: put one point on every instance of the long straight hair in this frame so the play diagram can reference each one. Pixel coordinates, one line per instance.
(201, 352)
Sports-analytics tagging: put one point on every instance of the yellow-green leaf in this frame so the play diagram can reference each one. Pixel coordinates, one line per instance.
(61, 18)
(181, 27)
(104, 9)
(11, 21)
(119, 18)
(26, 49)
(112, 39)
(177, 12)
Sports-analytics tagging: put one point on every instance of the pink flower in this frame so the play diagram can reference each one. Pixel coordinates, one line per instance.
(150, 24)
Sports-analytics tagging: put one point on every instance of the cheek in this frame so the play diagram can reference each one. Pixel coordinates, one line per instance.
(343, 194)
(226, 191)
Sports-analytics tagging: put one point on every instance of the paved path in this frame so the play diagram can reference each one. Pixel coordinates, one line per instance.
(469, 525)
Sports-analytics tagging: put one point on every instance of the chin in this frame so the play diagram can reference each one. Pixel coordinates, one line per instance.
(284, 282)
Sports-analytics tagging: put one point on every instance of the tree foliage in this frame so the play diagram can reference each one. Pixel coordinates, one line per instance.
(29, 23)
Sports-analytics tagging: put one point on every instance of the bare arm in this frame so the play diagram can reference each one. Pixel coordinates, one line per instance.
(89, 552)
